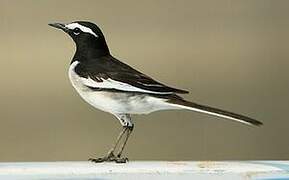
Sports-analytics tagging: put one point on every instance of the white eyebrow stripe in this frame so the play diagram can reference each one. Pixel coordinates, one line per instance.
(81, 27)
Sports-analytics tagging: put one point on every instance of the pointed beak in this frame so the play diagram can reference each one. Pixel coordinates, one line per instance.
(59, 26)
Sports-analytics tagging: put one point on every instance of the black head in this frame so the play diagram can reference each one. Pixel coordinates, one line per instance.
(86, 35)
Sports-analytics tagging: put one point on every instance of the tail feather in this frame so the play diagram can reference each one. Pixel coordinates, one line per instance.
(214, 111)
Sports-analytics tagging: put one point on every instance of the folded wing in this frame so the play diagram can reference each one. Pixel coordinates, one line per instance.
(119, 76)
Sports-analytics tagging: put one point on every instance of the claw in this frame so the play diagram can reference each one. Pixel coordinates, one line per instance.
(96, 160)
(109, 158)
(121, 160)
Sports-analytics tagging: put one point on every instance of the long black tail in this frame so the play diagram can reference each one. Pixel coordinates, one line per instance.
(214, 111)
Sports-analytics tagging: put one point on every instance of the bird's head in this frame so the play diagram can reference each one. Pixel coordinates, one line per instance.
(86, 35)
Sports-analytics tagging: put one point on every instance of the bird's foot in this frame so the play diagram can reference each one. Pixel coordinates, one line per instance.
(109, 158)
(121, 160)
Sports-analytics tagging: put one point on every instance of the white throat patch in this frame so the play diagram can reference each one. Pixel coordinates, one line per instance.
(81, 27)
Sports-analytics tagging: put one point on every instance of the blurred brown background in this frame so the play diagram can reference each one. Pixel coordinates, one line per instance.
(228, 54)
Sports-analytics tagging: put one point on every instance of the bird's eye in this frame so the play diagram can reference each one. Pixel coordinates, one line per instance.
(76, 31)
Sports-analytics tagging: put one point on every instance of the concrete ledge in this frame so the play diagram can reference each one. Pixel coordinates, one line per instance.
(231, 170)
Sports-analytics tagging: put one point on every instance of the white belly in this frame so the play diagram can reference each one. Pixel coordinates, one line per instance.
(117, 102)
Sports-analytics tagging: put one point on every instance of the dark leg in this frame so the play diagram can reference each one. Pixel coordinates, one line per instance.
(111, 151)
(125, 120)
(125, 141)
(110, 155)
(119, 158)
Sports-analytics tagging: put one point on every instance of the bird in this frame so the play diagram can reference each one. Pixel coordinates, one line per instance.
(110, 85)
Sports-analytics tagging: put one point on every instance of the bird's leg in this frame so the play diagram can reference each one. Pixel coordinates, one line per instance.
(111, 151)
(120, 159)
(110, 155)
(127, 124)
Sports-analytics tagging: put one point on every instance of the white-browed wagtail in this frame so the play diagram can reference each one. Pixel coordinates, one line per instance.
(112, 86)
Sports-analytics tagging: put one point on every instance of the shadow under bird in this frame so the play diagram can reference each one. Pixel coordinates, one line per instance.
(112, 86)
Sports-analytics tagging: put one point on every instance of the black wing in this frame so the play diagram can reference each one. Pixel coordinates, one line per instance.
(109, 68)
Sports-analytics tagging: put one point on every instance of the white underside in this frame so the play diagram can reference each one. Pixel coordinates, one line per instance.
(127, 103)
(115, 102)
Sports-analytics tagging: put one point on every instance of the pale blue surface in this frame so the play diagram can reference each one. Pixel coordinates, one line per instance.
(143, 170)
(281, 165)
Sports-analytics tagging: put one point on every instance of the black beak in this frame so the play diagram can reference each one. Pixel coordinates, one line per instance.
(58, 26)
